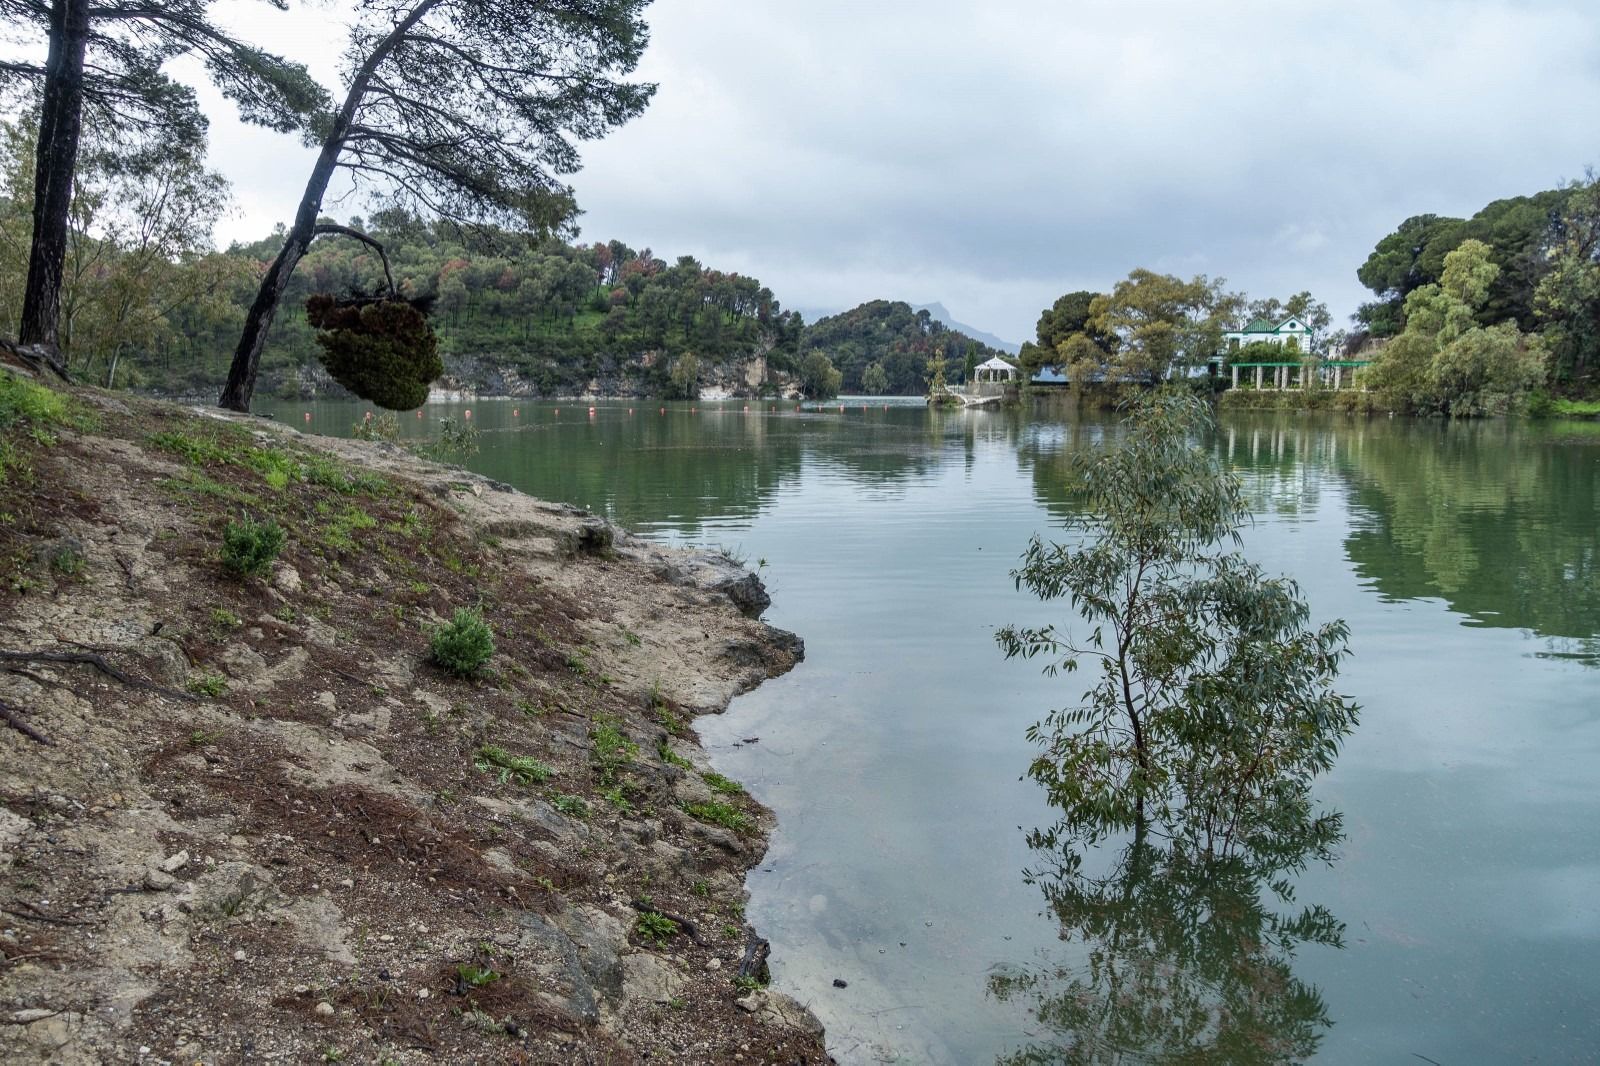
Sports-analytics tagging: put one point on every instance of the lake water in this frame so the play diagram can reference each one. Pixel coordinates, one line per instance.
(1465, 558)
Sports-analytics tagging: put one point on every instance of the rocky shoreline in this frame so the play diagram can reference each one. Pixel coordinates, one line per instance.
(248, 820)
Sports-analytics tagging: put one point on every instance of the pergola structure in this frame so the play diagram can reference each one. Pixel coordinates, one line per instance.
(1297, 375)
(994, 371)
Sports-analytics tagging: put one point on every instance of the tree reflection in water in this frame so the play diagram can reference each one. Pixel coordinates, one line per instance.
(1184, 959)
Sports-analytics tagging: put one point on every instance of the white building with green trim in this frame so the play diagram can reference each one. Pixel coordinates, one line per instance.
(1291, 334)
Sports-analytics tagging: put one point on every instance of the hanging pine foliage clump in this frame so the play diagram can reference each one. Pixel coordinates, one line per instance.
(381, 348)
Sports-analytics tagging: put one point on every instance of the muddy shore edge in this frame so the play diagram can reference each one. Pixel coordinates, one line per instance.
(255, 822)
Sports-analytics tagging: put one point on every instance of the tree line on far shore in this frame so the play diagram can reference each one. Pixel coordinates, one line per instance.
(461, 118)
(1489, 315)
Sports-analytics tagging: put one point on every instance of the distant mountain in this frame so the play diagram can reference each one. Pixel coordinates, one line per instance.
(816, 314)
(940, 314)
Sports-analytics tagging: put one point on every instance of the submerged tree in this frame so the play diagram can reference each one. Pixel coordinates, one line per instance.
(1212, 705)
(465, 109)
(103, 64)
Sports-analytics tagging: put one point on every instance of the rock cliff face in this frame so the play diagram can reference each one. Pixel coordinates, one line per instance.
(248, 819)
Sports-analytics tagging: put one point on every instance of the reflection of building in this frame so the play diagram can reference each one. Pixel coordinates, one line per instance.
(1291, 335)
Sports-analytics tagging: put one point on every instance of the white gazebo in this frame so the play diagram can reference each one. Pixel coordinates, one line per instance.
(994, 371)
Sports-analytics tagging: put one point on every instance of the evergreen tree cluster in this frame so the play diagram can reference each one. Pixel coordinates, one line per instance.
(898, 341)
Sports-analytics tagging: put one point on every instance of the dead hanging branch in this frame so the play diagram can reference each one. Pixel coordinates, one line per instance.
(324, 228)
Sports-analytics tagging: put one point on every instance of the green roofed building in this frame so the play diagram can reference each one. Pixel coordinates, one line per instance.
(1292, 335)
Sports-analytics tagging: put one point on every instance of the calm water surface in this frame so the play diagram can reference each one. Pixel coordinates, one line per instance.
(1465, 558)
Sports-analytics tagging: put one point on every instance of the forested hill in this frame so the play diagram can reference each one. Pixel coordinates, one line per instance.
(512, 314)
(895, 337)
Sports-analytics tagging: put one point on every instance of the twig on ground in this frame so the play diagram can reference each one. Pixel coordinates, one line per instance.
(11, 716)
(89, 658)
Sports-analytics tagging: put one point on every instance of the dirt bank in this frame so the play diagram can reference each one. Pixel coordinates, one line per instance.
(267, 828)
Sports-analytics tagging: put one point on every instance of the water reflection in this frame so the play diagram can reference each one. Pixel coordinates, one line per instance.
(1176, 958)
(1498, 521)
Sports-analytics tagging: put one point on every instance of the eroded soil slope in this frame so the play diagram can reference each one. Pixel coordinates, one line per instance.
(267, 828)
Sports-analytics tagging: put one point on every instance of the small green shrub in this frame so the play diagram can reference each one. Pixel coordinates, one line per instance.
(573, 805)
(463, 644)
(658, 929)
(472, 976)
(719, 814)
(212, 685)
(67, 560)
(457, 440)
(725, 785)
(385, 427)
(523, 769)
(248, 546)
(613, 751)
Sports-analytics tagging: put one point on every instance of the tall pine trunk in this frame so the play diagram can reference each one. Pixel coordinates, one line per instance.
(241, 384)
(60, 128)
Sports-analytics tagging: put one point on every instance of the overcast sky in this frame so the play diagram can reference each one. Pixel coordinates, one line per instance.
(994, 155)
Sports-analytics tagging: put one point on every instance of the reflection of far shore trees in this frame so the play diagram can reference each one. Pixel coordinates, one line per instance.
(713, 466)
(649, 469)
(1496, 521)
(1179, 959)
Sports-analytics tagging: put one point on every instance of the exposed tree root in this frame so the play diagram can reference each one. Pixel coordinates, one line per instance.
(11, 716)
(91, 659)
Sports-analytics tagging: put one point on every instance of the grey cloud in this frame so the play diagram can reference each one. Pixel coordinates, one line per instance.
(992, 155)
